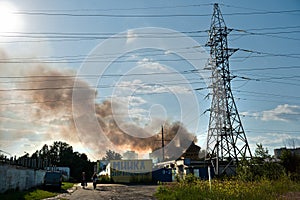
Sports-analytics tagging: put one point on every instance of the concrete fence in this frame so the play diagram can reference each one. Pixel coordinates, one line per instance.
(19, 178)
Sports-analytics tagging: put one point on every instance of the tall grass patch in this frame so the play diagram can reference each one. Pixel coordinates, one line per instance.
(228, 189)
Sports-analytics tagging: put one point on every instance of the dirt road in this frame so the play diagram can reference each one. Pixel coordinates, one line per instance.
(112, 192)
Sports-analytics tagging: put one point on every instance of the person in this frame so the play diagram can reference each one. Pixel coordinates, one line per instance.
(83, 180)
(95, 178)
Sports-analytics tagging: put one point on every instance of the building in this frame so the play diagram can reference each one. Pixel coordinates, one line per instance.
(101, 166)
(278, 152)
(188, 163)
(130, 171)
(192, 152)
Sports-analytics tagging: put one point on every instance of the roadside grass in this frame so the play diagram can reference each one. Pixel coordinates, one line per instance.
(66, 185)
(35, 194)
(228, 189)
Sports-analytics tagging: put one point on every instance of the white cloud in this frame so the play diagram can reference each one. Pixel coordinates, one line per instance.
(256, 115)
(139, 87)
(272, 140)
(136, 101)
(168, 52)
(284, 112)
(148, 64)
(172, 89)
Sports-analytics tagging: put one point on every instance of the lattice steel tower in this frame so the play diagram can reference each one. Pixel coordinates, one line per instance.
(226, 140)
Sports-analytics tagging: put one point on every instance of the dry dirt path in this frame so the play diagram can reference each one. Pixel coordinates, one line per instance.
(111, 192)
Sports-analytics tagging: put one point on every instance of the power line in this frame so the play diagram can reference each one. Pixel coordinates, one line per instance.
(80, 58)
(191, 71)
(269, 34)
(271, 130)
(152, 15)
(105, 35)
(249, 93)
(101, 86)
(99, 35)
(267, 28)
(239, 7)
(270, 80)
(83, 36)
(154, 33)
(261, 100)
(268, 68)
(119, 9)
(95, 61)
(260, 94)
(144, 53)
(291, 55)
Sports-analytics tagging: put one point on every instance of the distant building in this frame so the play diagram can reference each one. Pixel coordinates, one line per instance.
(188, 162)
(130, 155)
(130, 171)
(278, 152)
(101, 165)
(192, 152)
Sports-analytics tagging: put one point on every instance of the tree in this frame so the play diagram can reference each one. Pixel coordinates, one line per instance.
(291, 163)
(44, 152)
(261, 154)
(112, 155)
(260, 166)
(2, 157)
(61, 155)
(35, 154)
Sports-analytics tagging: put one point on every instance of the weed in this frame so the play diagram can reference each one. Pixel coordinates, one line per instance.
(227, 189)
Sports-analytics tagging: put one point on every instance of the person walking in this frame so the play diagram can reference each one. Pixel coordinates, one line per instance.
(83, 180)
(94, 179)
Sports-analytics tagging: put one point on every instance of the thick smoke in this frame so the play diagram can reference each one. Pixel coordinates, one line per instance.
(45, 98)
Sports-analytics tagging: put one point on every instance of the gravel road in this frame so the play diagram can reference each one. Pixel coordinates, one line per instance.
(110, 192)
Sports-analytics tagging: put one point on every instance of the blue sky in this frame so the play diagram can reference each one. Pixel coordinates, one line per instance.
(60, 37)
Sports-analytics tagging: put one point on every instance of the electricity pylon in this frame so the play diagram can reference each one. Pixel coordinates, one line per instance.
(226, 139)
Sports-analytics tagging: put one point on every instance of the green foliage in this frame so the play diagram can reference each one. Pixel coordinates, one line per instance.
(261, 166)
(112, 155)
(61, 154)
(291, 164)
(253, 171)
(105, 179)
(66, 185)
(261, 153)
(190, 178)
(258, 178)
(177, 178)
(227, 189)
(2, 157)
(35, 194)
(38, 194)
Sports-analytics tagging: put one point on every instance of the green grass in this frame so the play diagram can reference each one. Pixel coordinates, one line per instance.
(35, 194)
(227, 189)
(39, 194)
(66, 185)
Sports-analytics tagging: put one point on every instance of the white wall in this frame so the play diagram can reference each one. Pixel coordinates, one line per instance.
(15, 177)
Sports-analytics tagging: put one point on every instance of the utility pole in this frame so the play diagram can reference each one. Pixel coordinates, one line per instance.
(162, 143)
(226, 139)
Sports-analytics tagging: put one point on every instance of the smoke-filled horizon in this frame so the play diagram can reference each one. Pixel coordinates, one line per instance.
(38, 105)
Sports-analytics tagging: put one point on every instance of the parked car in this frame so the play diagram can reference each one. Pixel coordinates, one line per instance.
(53, 179)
